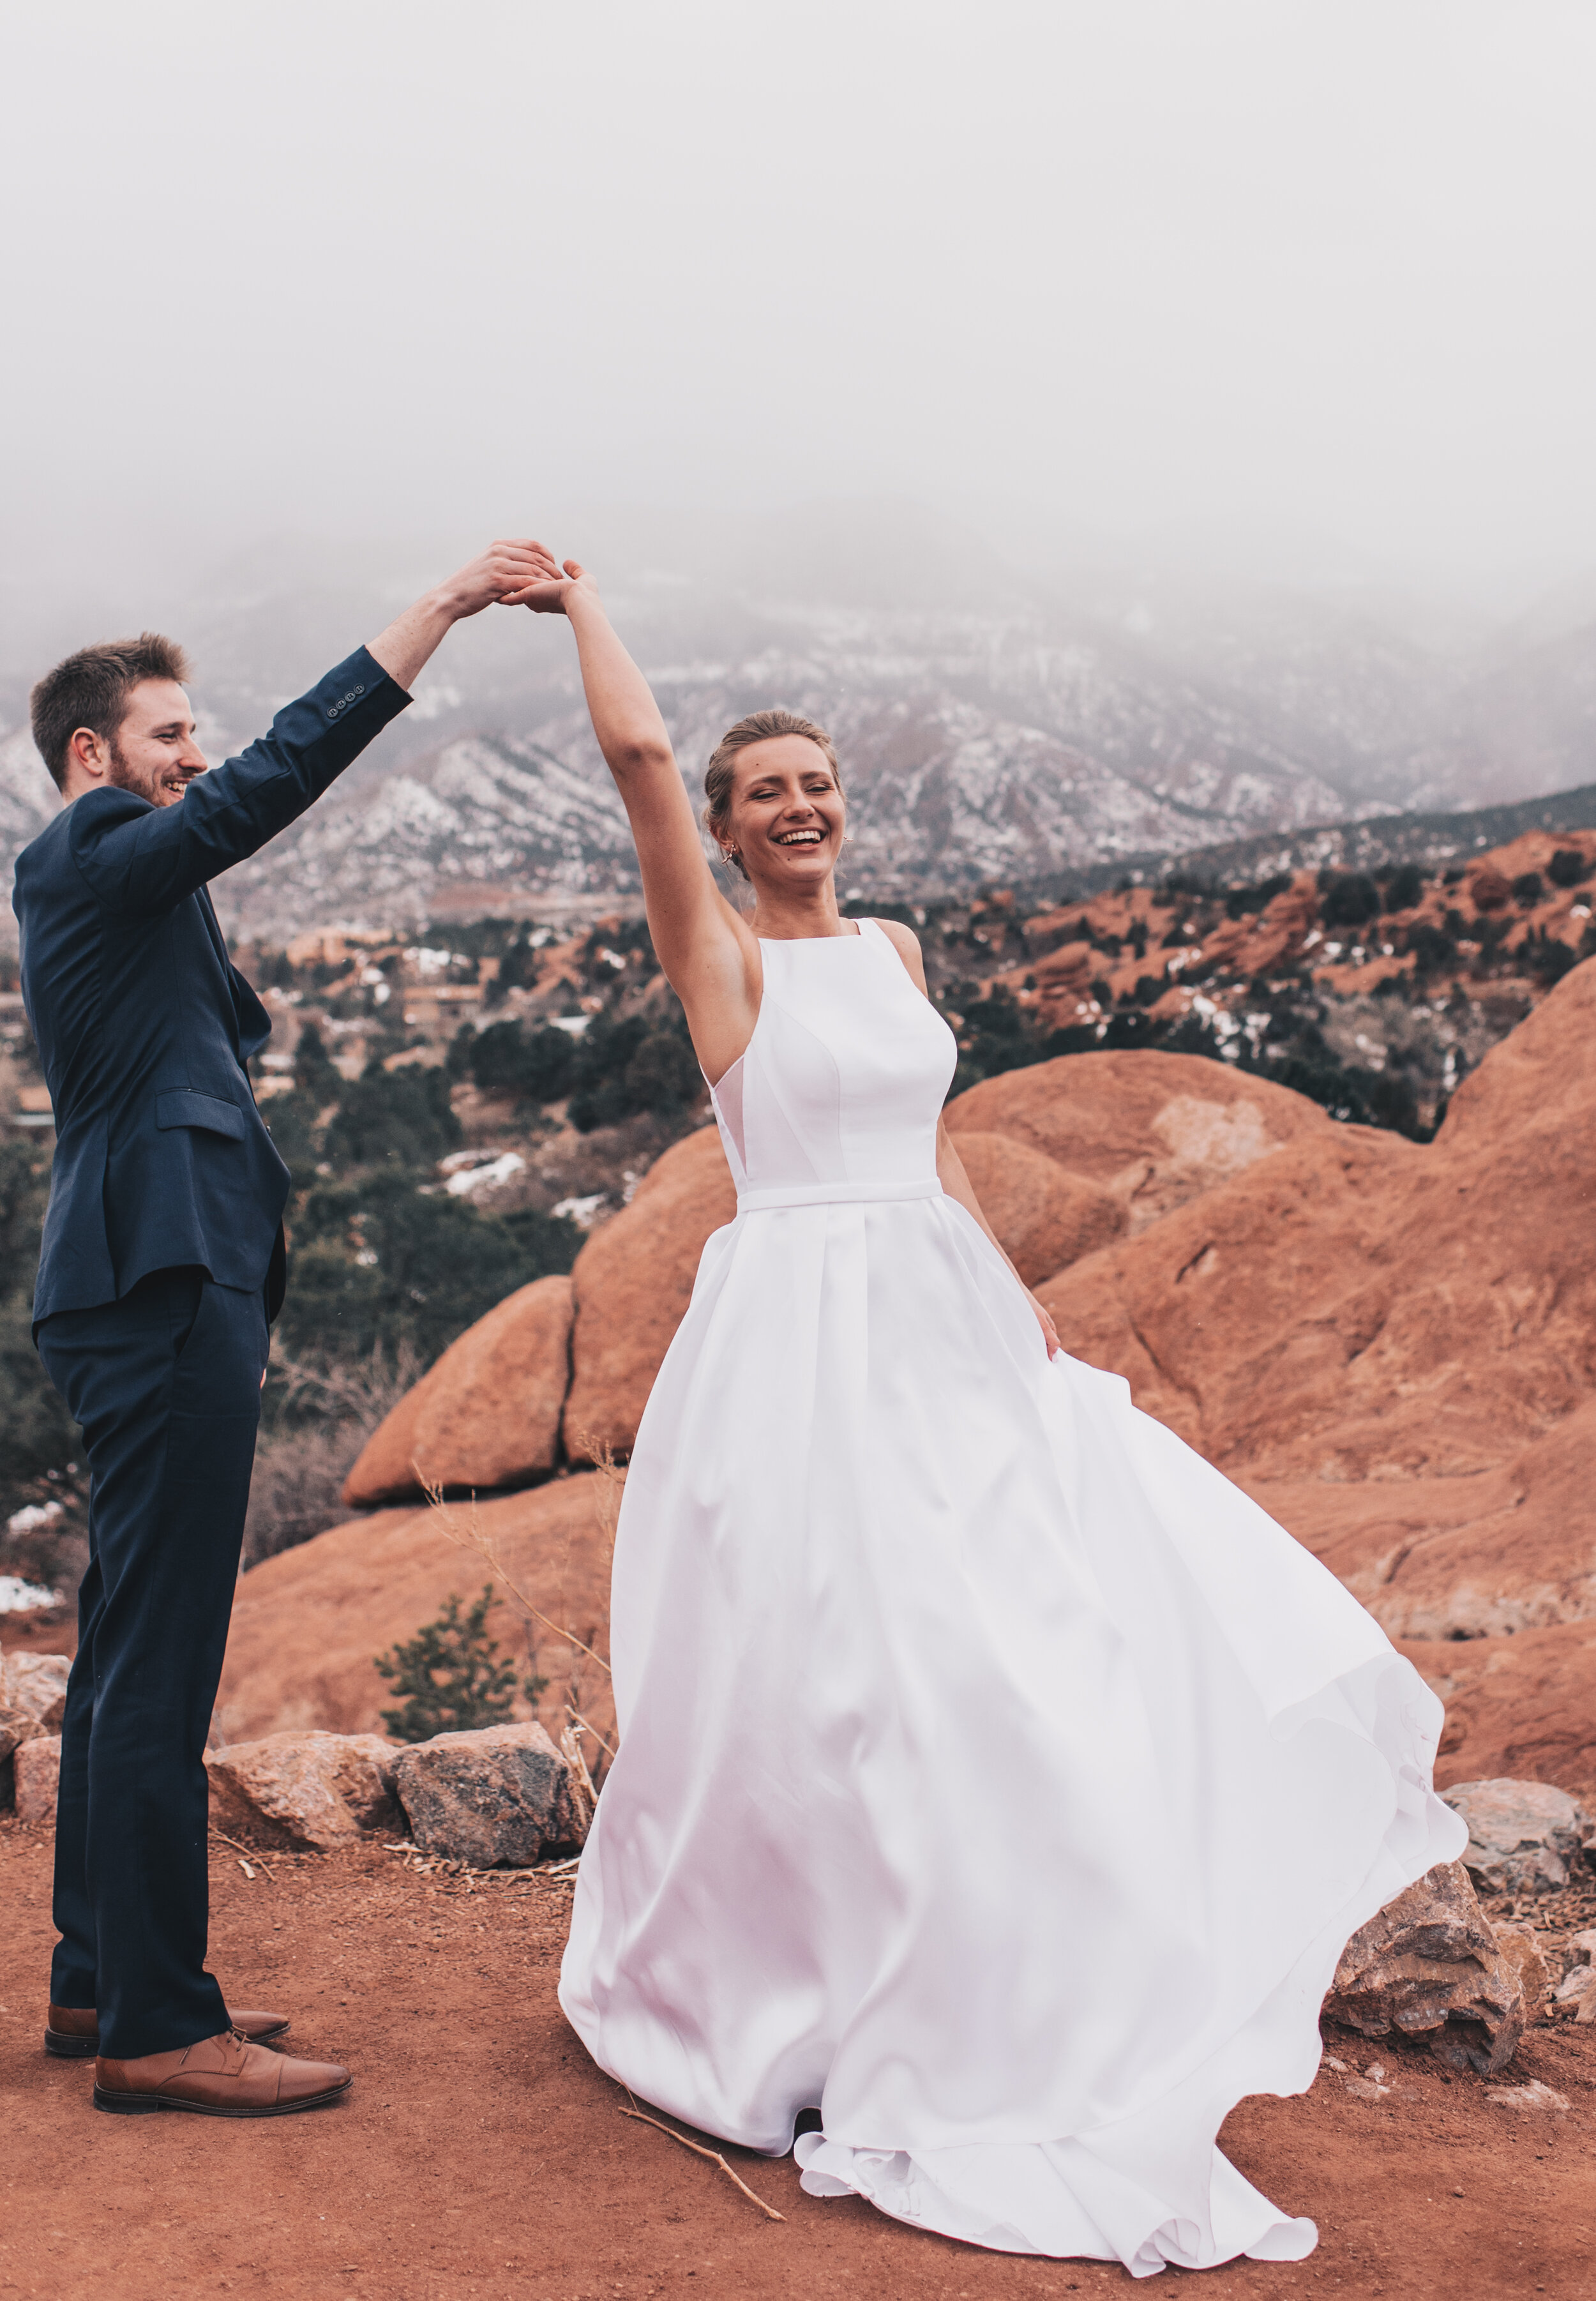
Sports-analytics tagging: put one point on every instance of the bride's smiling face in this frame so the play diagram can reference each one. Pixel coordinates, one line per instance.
(787, 816)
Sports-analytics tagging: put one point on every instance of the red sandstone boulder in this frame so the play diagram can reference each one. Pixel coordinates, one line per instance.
(1390, 1345)
(1046, 1217)
(1153, 1130)
(308, 1623)
(633, 1281)
(1359, 1306)
(486, 1414)
(315, 1789)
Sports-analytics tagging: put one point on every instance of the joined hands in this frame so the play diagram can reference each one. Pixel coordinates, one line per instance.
(550, 591)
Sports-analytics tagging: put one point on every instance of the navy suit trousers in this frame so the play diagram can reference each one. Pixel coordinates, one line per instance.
(165, 1385)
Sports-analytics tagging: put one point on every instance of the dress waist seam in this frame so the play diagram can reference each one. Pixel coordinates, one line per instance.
(835, 1194)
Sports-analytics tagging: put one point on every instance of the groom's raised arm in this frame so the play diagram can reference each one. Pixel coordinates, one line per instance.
(139, 858)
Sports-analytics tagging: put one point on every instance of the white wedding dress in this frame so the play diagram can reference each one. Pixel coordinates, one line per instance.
(994, 1776)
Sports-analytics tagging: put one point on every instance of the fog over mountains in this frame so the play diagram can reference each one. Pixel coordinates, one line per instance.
(997, 717)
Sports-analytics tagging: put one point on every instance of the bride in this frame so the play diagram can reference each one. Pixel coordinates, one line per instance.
(995, 1779)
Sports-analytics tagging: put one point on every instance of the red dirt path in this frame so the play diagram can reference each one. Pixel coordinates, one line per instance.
(481, 2154)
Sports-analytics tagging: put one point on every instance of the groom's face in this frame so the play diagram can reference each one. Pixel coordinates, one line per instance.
(153, 752)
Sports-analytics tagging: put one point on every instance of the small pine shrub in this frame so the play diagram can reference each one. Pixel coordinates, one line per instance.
(451, 1676)
(1567, 868)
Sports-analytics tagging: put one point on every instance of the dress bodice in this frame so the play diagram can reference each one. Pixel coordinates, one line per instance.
(843, 1080)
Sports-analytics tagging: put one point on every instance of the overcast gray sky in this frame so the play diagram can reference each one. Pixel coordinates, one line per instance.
(1176, 267)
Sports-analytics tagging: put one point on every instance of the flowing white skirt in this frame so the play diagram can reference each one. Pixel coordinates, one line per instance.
(994, 1776)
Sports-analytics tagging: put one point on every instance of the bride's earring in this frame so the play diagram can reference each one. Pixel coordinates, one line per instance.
(728, 854)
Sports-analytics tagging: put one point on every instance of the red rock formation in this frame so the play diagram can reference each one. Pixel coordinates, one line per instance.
(1152, 1130)
(1388, 1341)
(308, 1623)
(1523, 1707)
(633, 1281)
(486, 1414)
(1046, 1217)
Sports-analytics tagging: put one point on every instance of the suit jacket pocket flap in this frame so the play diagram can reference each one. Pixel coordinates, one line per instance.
(182, 1108)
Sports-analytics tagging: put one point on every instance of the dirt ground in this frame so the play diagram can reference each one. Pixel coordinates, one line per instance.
(480, 2153)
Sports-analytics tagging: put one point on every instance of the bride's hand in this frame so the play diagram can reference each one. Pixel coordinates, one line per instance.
(549, 594)
(1049, 1331)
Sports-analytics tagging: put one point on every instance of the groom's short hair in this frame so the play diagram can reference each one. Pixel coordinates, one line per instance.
(91, 689)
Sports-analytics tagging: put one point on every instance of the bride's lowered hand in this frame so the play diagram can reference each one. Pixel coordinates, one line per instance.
(1044, 1320)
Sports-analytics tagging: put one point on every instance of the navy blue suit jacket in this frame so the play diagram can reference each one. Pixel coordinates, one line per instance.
(144, 1026)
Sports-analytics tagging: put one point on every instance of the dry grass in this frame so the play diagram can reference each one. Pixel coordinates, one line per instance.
(322, 1417)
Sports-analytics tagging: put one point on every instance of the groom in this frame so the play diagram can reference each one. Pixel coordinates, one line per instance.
(162, 1265)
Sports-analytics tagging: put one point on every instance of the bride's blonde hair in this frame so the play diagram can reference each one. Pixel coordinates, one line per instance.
(758, 727)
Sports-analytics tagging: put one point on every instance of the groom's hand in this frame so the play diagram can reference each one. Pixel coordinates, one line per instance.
(500, 573)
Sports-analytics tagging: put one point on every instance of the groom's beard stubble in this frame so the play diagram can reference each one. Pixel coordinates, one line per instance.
(162, 787)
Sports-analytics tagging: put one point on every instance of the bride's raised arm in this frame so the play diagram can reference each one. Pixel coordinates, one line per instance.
(709, 954)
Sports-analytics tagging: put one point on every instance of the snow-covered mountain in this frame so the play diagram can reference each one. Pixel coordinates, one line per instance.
(990, 724)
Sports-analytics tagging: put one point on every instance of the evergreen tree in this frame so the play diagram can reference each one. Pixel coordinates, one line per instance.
(451, 1675)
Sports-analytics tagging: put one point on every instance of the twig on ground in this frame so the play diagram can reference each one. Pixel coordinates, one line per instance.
(459, 1876)
(698, 2150)
(253, 1852)
(486, 1549)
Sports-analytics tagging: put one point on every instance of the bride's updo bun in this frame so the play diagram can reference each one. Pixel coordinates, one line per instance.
(758, 727)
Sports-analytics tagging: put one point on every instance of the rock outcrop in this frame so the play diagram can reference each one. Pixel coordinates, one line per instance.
(1045, 1216)
(1388, 1342)
(498, 1798)
(315, 1789)
(1430, 1967)
(632, 1282)
(307, 1623)
(1524, 1837)
(1155, 1131)
(1520, 1706)
(486, 1414)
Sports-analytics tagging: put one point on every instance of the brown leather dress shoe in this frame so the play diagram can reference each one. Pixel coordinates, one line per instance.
(225, 2076)
(73, 2033)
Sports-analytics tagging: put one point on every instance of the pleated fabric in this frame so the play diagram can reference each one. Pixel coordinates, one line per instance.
(994, 1776)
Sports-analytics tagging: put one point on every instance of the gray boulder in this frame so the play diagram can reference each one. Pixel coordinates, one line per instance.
(498, 1798)
(1524, 1837)
(1430, 1966)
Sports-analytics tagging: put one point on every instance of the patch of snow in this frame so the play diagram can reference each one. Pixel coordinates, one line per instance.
(487, 1177)
(582, 1212)
(18, 1597)
(28, 1519)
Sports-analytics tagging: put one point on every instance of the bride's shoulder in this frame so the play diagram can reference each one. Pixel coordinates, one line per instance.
(906, 943)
